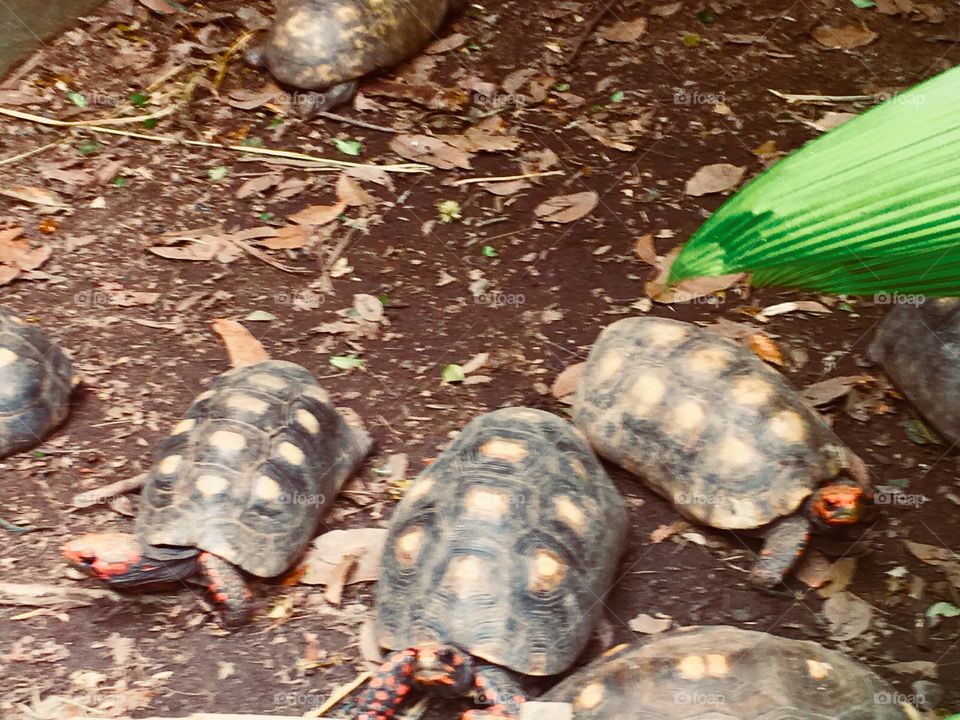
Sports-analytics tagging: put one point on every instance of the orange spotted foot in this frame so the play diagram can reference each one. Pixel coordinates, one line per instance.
(227, 588)
(389, 688)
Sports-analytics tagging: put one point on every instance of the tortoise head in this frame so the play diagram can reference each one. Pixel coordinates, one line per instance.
(840, 503)
(105, 556)
(446, 668)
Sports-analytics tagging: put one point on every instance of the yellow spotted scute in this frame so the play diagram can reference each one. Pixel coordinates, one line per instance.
(703, 422)
(725, 672)
(504, 546)
(250, 468)
(316, 44)
(36, 380)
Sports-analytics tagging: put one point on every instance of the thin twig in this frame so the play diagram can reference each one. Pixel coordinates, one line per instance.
(359, 123)
(587, 32)
(505, 178)
(96, 496)
(826, 99)
(338, 695)
(92, 126)
(28, 153)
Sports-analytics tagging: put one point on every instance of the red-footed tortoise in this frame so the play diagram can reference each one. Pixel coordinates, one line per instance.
(239, 485)
(497, 562)
(724, 673)
(36, 379)
(919, 348)
(714, 430)
(327, 46)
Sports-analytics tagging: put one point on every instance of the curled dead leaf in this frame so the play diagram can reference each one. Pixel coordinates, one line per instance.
(845, 37)
(625, 31)
(430, 150)
(567, 208)
(716, 178)
(765, 349)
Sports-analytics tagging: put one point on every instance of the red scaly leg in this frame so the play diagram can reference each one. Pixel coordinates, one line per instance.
(389, 688)
(227, 588)
(496, 688)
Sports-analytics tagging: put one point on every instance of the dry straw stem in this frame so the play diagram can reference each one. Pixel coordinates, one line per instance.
(100, 126)
(505, 178)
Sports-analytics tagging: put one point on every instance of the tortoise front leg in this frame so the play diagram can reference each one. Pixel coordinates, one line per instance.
(784, 544)
(227, 587)
(497, 688)
(388, 688)
(311, 102)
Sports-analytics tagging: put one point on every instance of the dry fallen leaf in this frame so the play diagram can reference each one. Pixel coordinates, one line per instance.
(667, 531)
(826, 391)
(328, 551)
(810, 306)
(848, 615)
(689, 289)
(650, 625)
(625, 31)
(430, 150)
(843, 38)
(565, 386)
(923, 668)
(827, 576)
(644, 249)
(714, 179)
(242, 347)
(35, 196)
(340, 576)
(350, 192)
(451, 42)
(318, 214)
(567, 208)
(765, 349)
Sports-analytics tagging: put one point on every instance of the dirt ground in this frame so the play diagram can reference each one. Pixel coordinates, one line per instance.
(628, 119)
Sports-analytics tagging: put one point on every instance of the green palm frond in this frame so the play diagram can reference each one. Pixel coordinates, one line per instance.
(871, 207)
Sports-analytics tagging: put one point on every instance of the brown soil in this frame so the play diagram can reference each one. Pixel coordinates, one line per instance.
(162, 654)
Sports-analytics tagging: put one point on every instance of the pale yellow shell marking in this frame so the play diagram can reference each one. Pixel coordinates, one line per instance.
(290, 453)
(408, 546)
(211, 484)
(266, 488)
(270, 382)
(589, 697)
(646, 393)
(578, 469)
(709, 360)
(570, 513)
(247, 403)
(818, 670)
(204, 395)
(750, 390)
(524, 414)
(169, 465)
(664, 335)
(7, 357)
(317, 393)
(184, 426)
(608, 366)
(692, 667)
(734, 453)
(547, 571)
(464, 573)
(419, 489)
(687, 418)
(307, 421)
(717, 665)
(298, 24)
(788, 426)
(228, 441)
(347, 13)
(501, 449)
(483, 501)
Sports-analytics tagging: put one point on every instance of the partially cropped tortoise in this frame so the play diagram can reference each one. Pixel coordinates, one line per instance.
(919, 347)
(497, 562)
(327, 46)
(714, 430)
(724, 673)
(239, 485)
(36, 380)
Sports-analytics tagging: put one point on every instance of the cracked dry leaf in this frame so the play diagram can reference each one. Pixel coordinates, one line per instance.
(826, 391)
(322, 561)
(430, 150)
(649, 625)
(567, 208)
(318, 214)
(847, 614)
(625, 31)
(17, 255)
(200, 244)
(845, 37)
(606, 137)
(715, 178)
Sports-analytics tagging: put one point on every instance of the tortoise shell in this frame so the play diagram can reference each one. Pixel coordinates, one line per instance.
(504, 546)
(250, 469)
(705, 423)
(919, 348)
(725, 672)
(314, 44)
(36, 379)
